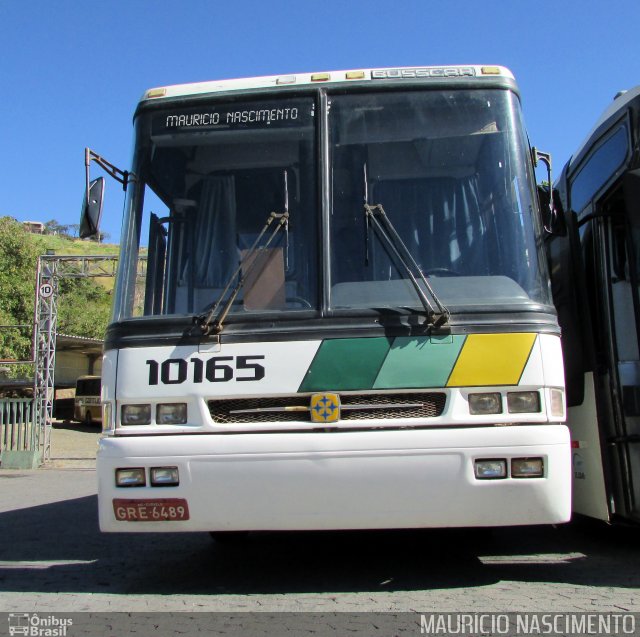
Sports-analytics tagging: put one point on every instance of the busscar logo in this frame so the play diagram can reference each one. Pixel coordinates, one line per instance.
(403, 74)
(34, 625)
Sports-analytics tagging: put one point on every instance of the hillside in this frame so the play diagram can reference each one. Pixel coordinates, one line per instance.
(64, 245)
(84, 305)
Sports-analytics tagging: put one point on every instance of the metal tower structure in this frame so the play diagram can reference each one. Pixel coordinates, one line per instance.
(44, 351)
(50, 269)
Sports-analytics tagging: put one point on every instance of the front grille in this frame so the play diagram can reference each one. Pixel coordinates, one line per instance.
(353, 407)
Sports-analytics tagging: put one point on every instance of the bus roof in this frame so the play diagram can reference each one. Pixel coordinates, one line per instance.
(613, 112)
(332, 77)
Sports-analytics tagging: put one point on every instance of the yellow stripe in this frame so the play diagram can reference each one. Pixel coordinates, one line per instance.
(491, 359)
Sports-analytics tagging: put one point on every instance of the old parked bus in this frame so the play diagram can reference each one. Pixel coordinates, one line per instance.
(346, 320)
(86, 404)
(595, 260)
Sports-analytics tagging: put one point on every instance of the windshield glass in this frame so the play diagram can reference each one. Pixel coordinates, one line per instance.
(450, 170)
(207, 180)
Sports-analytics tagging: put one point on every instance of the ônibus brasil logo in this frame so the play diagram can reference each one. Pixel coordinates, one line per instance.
(34, 625)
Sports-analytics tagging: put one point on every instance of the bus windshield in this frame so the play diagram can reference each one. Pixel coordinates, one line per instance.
(449, 168)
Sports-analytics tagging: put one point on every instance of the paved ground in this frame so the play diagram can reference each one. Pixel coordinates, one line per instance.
(54, 559)
(73, 446)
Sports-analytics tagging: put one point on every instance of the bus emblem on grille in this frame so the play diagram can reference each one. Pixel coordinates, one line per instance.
(325, 408)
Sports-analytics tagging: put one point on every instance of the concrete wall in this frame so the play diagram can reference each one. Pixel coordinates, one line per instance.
(70, 365)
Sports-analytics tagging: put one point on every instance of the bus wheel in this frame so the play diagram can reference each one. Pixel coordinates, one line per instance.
(229, 537)
(88, 420)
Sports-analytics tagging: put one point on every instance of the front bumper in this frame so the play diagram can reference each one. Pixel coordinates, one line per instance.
(409, 478)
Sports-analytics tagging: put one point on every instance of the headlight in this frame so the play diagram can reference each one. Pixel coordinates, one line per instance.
(485, 404)
(164, 477)
(523, 402)
(136, 414)
(490, 469)
(171, 414)
(527, 468)
(130, 477)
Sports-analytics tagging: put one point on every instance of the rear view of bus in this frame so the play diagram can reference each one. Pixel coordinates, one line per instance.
(345, 320)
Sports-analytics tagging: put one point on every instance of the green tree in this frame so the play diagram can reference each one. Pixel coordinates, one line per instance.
(84, 307)
(54, 227)
(18, 258)
(83, 304)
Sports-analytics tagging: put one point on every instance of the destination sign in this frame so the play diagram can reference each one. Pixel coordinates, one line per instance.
(280, 114)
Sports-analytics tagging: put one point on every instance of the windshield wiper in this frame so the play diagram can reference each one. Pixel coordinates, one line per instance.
(207, 320)
(211, 322)
(376, 217)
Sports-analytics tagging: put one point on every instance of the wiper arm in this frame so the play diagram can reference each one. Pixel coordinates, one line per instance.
(437, 313)
(207, 320)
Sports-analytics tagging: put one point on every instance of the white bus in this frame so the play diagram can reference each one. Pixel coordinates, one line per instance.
(86, 403)
(595, 256)
(346, 320)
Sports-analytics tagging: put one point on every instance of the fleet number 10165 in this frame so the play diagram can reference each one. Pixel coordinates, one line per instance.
(219, 369)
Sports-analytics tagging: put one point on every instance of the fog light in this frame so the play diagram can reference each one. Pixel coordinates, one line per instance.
(136, 414)
(527, 468)
(164, 477)
(130, 477)
(557, 403)
(490, 469)
(523, 402)
(171, 414)
(485, 404)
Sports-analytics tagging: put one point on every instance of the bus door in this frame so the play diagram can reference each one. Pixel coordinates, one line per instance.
(620, 268)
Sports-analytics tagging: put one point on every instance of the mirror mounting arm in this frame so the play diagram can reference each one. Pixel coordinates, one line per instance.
(545, 158)
(121, 176)
(94, 192)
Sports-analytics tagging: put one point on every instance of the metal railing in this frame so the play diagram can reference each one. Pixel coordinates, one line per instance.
(17, 428)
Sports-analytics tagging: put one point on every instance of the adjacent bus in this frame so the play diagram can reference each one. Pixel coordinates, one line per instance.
(346, 319)
(87, 407)
(595, 259)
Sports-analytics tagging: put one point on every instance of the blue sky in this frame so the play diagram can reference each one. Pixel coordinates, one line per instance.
(72, 71)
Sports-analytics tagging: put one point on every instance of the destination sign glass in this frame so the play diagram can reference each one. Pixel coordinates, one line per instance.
(286, 113)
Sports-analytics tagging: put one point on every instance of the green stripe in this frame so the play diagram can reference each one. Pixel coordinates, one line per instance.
(419, 362)
(346, 364)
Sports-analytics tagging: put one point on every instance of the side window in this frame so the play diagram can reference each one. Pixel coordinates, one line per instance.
(94, 387)
(599, 168)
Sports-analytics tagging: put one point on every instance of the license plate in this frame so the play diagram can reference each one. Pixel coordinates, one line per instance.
(156, 510)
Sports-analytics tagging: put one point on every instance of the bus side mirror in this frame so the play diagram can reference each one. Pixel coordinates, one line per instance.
(631, 187)
(552, 216)
(92, 209)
